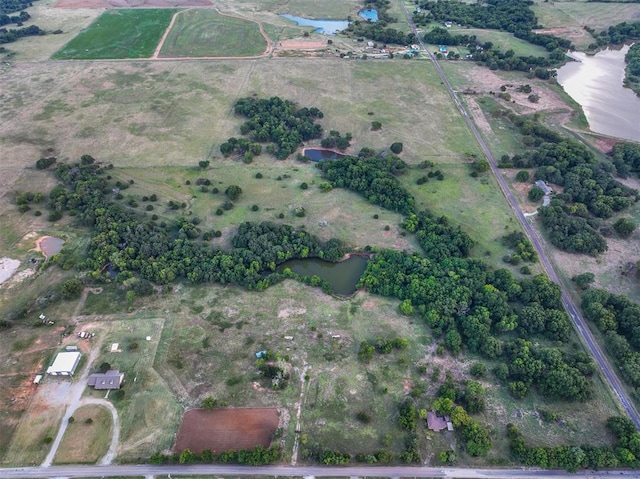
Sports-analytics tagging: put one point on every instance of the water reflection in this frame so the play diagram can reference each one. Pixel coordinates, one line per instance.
(595, 81)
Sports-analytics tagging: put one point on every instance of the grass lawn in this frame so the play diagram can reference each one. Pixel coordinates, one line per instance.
(502, 40)
(206, 33)
(125, 33)
(87, 438)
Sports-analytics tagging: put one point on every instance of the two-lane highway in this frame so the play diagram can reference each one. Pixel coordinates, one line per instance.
(581, 327)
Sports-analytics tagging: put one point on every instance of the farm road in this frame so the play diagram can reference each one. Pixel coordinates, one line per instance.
(302, 471)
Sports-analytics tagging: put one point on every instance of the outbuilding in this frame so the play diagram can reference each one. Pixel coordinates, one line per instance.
(65, 364)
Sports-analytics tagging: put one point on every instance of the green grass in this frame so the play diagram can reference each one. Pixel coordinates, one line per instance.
(126, 33)
(207, 33)
(86, 443)
(502, 40)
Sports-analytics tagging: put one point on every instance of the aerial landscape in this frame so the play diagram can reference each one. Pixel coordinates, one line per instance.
(269, 238)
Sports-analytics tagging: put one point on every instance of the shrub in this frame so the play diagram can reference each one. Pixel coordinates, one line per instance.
(478, 370)
(535, 194)
(71, 288)
(255, 208)
(396, 148)
(258, 175)
(88, 421)
(219, 212)
(376, 125)
(624, 227)
(522, 176)
(304, 186)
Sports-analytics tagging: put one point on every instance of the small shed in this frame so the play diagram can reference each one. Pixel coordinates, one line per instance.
(65, 364)
(37, 379)
(112, 379)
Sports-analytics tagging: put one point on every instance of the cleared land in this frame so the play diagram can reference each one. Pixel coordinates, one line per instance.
(87, 438)
(502, 40)
(125, 33)
(207, 33)
(226, 429)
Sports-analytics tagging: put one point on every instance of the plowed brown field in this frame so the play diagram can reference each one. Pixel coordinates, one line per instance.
(226, 429)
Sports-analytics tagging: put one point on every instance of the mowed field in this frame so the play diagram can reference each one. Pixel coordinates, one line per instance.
(225, 429)
(207, 33)
(87, 438)
(123, 33)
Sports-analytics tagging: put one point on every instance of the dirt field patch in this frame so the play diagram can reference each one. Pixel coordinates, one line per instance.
(131, 3)
(226, 429)
(301, 45)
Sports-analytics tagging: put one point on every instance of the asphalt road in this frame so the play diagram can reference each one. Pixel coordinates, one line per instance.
(306, 472)
(581, 327)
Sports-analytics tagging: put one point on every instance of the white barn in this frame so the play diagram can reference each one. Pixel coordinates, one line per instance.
(65, 364)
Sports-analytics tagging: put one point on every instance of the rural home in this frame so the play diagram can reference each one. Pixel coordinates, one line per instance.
(65, 364)
(112, 379)
(438, 423)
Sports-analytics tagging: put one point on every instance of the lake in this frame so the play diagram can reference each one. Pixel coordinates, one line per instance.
(370, 14)
(595, 81)
(320, 154)
(50, 245)
(343, 276)
(327, 27)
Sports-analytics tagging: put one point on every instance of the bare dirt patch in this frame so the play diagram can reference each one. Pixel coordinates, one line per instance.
(8, 266)
(226, 429)
(131, 3)
(309, 45)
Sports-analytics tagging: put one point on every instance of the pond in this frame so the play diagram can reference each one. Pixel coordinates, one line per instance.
(343, 276)
(595, 81)
(50, 245)
(321, 154)
(369, 14)
(326, 27)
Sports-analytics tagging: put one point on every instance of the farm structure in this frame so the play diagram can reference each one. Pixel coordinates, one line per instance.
(438, 423)
(226, 429)
(111, 379)
(65, 364)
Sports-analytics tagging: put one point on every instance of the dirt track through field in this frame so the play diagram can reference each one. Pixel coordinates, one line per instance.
(267, 51)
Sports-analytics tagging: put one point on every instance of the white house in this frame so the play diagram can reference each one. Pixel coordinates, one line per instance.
(65, 364)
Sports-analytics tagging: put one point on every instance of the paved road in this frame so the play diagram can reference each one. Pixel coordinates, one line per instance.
(311, 471)
(583, 330)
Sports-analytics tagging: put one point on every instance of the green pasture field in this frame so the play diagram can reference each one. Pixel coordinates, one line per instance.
(122, 33)
(207, 33)
(86, 443)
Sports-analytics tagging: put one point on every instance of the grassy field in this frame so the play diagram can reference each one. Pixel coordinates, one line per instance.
(207, 33)
(87, 438)
(123, 33)
(149, 413)
(303, 8)
(502, 40)
(568, 18)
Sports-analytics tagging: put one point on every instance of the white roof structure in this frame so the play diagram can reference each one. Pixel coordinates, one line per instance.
(65, 364)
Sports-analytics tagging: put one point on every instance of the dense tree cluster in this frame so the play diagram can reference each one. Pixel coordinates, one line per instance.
(619, 319)
(438, 239)
(632, 70)
(379, 33)
(523, 248)
(9, 36)
(11, 6)
(626, 158)
(17, 19)
(163, 254)
(589, 188)
(616, 34)
(257, 456)
(335, 140)
(275, 120)
(375, 178)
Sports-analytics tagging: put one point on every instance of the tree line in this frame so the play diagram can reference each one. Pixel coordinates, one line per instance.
(632, 70)
(11, 6)
(9, 36)
(619, 319)
(626, 451)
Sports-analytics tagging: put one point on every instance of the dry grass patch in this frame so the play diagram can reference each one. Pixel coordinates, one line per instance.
(87, 438)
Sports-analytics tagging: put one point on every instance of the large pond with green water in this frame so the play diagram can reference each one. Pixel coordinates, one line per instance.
(343, 277)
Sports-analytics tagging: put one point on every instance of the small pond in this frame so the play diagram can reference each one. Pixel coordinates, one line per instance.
(369, 14)
(327, 27)
(343, 276)
(50, 245)
(320, 154)
(595, 81)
